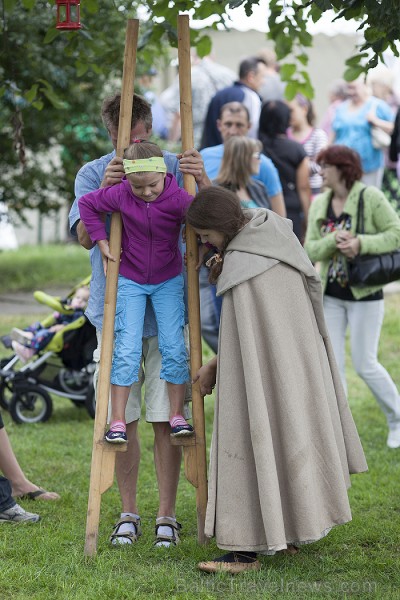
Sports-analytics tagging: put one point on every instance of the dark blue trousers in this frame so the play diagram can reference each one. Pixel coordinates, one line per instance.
(6, 500)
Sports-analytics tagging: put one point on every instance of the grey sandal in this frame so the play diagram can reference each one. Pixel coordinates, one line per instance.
(173, 538)
(132, 536)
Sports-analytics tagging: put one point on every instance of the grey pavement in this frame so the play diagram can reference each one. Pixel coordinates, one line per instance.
(18, 303)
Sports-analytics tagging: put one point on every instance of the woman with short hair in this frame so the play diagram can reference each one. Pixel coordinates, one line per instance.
(332, 241)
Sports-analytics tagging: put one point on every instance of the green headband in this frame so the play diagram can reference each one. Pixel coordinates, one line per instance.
(154, 164)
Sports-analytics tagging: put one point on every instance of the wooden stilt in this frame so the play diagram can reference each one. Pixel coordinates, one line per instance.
(103, 454)
(194, 449)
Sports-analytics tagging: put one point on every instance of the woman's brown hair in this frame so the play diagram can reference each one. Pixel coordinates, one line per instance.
(218, 209)
(236, 166)
(345, 159)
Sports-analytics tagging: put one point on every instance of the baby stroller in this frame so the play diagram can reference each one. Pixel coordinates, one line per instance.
(63, 367)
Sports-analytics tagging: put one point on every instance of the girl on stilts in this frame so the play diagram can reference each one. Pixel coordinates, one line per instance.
(152, 208)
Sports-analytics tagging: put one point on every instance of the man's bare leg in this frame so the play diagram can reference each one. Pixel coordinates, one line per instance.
(127, 469)
(167, 460)
(127, 529)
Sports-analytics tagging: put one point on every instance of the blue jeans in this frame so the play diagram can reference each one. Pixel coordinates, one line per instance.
(169, 309)
(6, 500)
(208, 316)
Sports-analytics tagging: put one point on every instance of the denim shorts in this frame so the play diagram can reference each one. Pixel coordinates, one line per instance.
(169, 309)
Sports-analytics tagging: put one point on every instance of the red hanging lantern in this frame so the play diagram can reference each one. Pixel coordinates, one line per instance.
(68, 14)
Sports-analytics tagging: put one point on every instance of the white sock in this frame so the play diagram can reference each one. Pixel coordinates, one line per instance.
(164, 530)
(125, 528)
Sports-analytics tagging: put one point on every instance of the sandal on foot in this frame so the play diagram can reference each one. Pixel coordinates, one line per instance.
(170, 539)
(38, 495)
(130, 537)
(233, 562)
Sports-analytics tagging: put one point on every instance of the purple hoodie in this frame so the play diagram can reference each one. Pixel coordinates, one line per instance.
(150, 233)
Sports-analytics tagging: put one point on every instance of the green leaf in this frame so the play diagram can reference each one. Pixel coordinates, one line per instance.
(51, 34)
(291, 89)
(54, 99)
(31, 94)
(81, 68)
(372, 35)
(234, 3)
(355, 60)
(92, 6)
(28, 4)
(287, 71)
(283, 45)
(302, 58)
(353, 73)
(9, 5)
(96, 68)
(323, 4)
(305, 38)
(203, 46)
(38, 104)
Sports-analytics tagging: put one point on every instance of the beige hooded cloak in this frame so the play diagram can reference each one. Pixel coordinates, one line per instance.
(284, 439)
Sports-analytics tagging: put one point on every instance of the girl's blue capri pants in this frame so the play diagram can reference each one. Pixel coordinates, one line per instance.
(169, 309)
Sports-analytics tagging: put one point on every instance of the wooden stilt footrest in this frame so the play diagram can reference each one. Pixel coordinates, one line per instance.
(107, 447)
(183, 441)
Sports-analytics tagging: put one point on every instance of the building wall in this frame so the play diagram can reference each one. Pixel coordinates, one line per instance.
(41, 229)
(327, 57)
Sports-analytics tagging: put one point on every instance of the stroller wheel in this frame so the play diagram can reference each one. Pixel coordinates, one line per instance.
(90, 402)
(6, 392)
(30, 404)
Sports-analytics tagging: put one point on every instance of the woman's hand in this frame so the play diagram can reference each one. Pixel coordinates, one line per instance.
(350, 247)
(342, 236)
(207, 376)
(105, 253)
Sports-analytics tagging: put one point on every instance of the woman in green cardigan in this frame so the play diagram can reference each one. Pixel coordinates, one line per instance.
(331, 240)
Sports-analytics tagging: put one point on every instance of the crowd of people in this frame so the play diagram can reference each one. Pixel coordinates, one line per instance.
(277, 199)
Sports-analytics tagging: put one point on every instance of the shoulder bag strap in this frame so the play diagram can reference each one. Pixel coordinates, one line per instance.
(360, 213)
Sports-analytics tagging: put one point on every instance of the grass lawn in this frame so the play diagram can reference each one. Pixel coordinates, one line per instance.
(46, 561)
(32, 267)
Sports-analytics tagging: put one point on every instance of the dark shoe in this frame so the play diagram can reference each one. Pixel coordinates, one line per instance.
(233, 562)
(182, 430)
(16, 514)
(116, 437)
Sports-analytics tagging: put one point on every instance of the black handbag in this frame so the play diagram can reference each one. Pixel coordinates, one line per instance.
(372, 269)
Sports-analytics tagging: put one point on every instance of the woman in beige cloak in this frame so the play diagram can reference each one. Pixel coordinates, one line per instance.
(284, 440)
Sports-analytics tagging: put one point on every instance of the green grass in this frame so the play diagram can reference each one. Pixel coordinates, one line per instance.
(46, 560)
(31, 267)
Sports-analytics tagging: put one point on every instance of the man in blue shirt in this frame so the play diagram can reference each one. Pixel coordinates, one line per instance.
(252, 73)
(104, 171)
(233, 120)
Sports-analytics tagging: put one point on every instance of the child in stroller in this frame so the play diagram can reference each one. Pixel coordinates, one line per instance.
(29, 341)
(56, 356)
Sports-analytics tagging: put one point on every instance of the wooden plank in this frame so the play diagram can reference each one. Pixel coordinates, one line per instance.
(103, 460)
(195, 457)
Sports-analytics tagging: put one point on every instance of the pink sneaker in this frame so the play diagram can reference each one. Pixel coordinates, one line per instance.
(22, 352)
